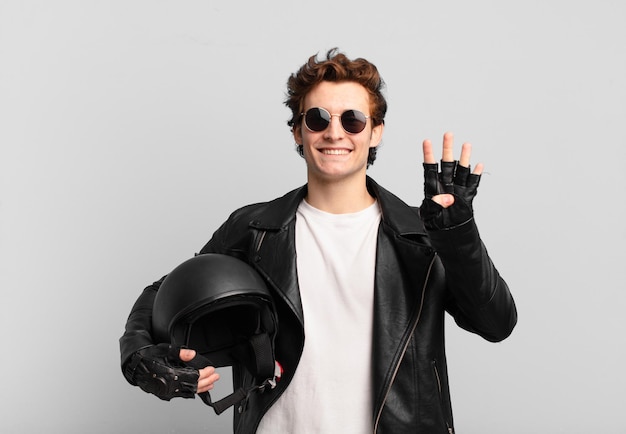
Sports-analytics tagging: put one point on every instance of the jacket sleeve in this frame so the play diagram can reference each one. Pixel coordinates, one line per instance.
(138, 332)
(478, 298)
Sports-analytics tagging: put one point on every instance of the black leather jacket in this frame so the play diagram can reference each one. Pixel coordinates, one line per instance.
(418, 277)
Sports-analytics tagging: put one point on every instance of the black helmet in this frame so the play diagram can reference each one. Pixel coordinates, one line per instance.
(219, 306)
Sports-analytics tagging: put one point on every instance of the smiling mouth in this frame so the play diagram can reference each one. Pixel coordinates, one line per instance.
(335, 151)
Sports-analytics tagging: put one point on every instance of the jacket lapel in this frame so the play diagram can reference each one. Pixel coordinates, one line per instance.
(275, 250)
(403, 261)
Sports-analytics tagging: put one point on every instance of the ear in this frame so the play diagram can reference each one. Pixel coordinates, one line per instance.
(377, 135)
(297, 133)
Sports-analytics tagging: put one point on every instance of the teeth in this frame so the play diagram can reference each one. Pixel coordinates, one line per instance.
(335, 151)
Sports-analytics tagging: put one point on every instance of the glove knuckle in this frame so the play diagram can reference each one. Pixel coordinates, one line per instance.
(155, 373)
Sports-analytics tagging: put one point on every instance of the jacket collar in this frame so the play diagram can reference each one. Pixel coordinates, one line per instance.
(395, 213)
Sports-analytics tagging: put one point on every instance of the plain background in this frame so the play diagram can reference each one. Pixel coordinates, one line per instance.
(129, 130)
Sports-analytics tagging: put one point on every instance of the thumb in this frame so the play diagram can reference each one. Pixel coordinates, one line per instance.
(186, 354)
(445, 200)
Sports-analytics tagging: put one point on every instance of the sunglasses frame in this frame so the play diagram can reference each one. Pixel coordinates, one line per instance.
(330, 117)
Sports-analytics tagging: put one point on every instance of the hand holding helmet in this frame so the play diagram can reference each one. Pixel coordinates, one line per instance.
(207, 374)
(159, 370)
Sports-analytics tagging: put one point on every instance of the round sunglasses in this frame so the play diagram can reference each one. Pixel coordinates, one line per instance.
(317, 119)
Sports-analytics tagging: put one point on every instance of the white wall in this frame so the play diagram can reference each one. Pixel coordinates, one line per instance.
(130, 129)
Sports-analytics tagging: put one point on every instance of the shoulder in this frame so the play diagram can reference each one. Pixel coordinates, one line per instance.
(238, 232)
(273, 214)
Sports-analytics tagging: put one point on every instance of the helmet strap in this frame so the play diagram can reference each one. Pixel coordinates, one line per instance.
(258, 349)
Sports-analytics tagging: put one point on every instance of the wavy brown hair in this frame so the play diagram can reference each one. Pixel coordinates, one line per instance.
(336, 67)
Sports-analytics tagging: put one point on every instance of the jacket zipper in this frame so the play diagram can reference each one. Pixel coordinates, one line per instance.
(258, 244)
(450, 429)
(405, 347)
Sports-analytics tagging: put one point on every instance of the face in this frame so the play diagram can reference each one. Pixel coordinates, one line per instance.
(334, 154)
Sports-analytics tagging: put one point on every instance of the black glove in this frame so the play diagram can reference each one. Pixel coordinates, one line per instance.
(453, 179)
(158, 370)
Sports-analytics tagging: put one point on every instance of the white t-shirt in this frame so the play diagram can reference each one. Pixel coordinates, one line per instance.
(331, 388)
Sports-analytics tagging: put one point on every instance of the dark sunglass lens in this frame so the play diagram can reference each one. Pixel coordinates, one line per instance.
(353, 121)
(317, 119)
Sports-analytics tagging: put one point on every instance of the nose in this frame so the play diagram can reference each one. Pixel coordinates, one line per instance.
(334, 130)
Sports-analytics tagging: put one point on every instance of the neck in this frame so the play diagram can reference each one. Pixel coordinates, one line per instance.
(339, 197)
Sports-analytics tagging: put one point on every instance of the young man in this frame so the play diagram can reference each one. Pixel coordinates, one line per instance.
(361, 281)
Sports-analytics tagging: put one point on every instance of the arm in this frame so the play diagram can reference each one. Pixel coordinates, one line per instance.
(138, 331)
(479, 298)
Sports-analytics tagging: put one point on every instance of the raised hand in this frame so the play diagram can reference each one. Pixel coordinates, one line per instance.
(448, 194)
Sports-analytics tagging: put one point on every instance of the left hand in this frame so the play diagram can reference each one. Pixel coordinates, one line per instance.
(449, 193)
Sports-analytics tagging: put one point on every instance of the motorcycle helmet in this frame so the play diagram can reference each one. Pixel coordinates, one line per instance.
(220, 307)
